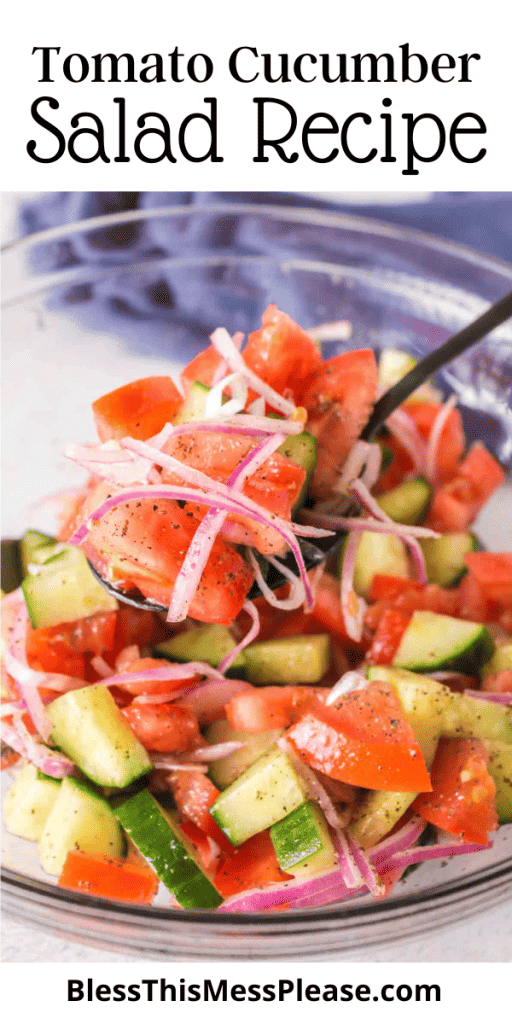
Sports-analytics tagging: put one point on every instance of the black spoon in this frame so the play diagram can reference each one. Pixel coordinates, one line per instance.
(314, 554)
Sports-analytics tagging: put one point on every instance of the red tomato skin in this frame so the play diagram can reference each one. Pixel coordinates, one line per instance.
(282, 354)
(202, 369)
(501, 682)
(166, 728)
(252, 865)
(131, 880)
(45, 655)
(139, 686)
(364, 740)
(327, 610)
(493, 570)
(462, 797)
(386, 641)
(268, 707)
(451, 442)
(194, 793)
(139, 409)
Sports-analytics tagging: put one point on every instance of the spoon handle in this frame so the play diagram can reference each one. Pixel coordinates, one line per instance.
(453, 347)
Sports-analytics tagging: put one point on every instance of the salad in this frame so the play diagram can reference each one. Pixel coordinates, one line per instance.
(253, 748)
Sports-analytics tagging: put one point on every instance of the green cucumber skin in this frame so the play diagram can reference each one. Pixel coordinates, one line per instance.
(224, 771)
(208, 642)
(150, 829)
(444, 557)
(29, 802)
(408, 502)
(91, 730)
(500, 769)
(302, 842)
(64, 591)
(288, 661)
(421, 647)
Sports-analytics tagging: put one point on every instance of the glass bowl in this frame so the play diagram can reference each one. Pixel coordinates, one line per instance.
(91, 305)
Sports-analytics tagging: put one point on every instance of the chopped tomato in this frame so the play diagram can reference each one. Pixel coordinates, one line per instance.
(474, 604)
(275, 486)
(138, 686)
(398, 468)
(455, 506)
(482, 470)
(167, 728)
(202, 369)
(139, 409)
(364, 740)
(131, 880)
(136, 627)
(462, 797)
(92, 635)
(493, 572)
(501, 682)
(252, 865)
(384, 587)
(451, 443)
(339, 401)
(194, 794)
(143, 543)
(207, 853)
(282, 354)
(46, 653)
(327, 609)
(267, 707)
(386, 641)
(8, 757)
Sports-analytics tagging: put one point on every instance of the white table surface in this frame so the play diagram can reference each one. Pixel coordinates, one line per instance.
(484, 939)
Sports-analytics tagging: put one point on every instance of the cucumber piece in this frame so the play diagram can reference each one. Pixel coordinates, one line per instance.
(89, 727)
(193, 407)
(79, 820)
(35, 548)
(303, 450)
(11, 574)
(64, 591)
(302, 842)
(28, 803)
(393, 365)
(158, 837)
(408, 502)
(501, 659)
(224, 771)
(423, 702)
(500, 769)
(387, 456)
(433, 642)
(477, 719)
(265, 793)
(289, 660)
(377, 553)
(444, 557)
(210, 643)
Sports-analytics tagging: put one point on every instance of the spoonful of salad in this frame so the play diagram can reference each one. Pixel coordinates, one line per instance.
(269, 480)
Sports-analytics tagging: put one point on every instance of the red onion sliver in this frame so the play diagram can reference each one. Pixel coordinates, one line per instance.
(422, 853)
(339, 523)
(399, 841)
(253, 632)
(403, 427)
(216, 751)
(352, 606)
(51, 762)
(225, 346)
(434, 438)
(367, 870)
(495, 698)
(349, 682)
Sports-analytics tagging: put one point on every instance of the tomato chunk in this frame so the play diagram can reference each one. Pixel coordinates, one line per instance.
(282, 354)
(462, 797)
(131, 880)
(493, 571)
(167, 728)
(451, 443)
(194, 794)
(390, 631)
(202, 369)
(48, 653)
(267, 707)
(139, 409)
(365, 740)
(252, 865)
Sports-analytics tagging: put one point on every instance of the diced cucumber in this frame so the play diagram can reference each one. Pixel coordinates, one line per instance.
(289, 660)
(408, 502)
(301, 449)
(477, 719)
(79, 820)
(158, 837)
(224, 771)
(35, 548)
(377, 553)
(393, 365)
(92, 731)
(193, 407)
(302, 842)
(500, 768)
(11, 572)
(433, 642)
(423, 702)
(28, 803)
(444, 557)
(64, 591)
(209, 642)
(265, 793)
(387, 456)
(501, 660)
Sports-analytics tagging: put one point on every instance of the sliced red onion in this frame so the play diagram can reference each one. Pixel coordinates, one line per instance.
(403, 427)
(257, 407)
(168, 762)
(434, 438)
(225, 346)
(418, 854)
(340, 330)
(345, 523)
(110, 462)
(367, 870)
(27, 680)
(349, 682)
(11, 707)
(493, 698)
(214, 405)
(312, 783)
(362, 456)
(367, 501)
(253, 632)
(100, 666)
(161, 698)
(328, 884)
(350, 872)
(401, 840)
(352, 606)
(295, 600)
(241, 506)
(216, 751)
(168, 673)
(208, 700)
(51, 762)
